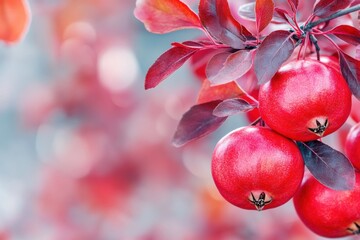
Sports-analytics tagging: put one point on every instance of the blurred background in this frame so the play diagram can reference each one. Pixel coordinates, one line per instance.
(85, 151)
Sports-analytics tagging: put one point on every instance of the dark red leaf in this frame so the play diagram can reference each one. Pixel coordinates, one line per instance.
(276, 48)
(283, 14)
(347, 33)
(264, 10)
(235, 66)
(304, 10)
(248, 81)
(216, 17)
(216, 63)
(328, 166)
(199, 61)
(167, 63)
(293, 4)
(196, 123)
(325, 8)
(232, 106)
(190, 44)
(247, 11)
(350, 69)
(166, 15)
(355, 2)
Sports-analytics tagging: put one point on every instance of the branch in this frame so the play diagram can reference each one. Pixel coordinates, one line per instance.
(335, 15)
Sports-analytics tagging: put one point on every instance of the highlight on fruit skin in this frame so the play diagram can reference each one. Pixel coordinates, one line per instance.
(256, 168)
(15, 19)
(305, 100)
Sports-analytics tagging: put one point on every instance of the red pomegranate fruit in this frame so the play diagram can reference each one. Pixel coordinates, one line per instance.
(352, 146)
(256, 168)
(327, 212)
(305, 100)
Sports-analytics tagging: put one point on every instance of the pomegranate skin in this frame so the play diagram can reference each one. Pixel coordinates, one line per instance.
(255, 160)
(328, 213)
(303, 97)
(352, 146)
(355, 109)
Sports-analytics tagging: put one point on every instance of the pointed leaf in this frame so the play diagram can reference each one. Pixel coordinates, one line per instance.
(350, 69)
(216, 17)
(229, 22)
(328, 166)
(14, 20)
(196, 123)
(210, 93)
(347, 33)
(283, 14)
(167, 63)
(276, 48)
(293, 4)
(191, 44)
(248, 82)
(216, 63)
(232, 106)
(235, 66)
(264, 10)
(325, 8)
(163, 16)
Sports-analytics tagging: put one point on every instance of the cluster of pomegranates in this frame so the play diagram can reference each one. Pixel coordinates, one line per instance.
(261, 167)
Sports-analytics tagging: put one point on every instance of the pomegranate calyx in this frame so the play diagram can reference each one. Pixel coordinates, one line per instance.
(355, 231)
(259, 203)
(320, 128)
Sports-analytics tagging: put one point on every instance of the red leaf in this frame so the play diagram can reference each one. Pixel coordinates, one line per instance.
(168, 63)
(355, 2)
(232, 106)
(196, 123)
(199, 60)
(276, 48)
(163, 16)
(264, 10)
(293, 4)
(14, 20)
(247, 11)
(350, 69)
(216, 63)
(221, 25)
(347, 33)
(283, 14)
(210, 93)
(325, 8)
(327, 165)
(248, 81)
(228, 21)
(235, 66)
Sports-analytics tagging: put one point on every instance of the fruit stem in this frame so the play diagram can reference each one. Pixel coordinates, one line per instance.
(335, 15)
(317, 48)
